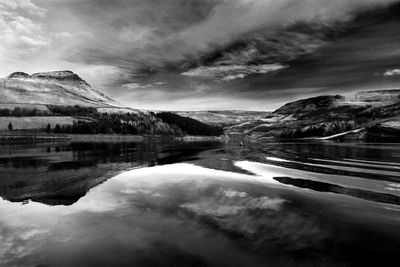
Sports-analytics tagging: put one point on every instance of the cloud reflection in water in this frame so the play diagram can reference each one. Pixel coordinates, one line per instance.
(178, 213)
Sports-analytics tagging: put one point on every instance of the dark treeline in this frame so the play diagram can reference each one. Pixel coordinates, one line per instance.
(23, 112)
(52, 111)
(319, 129)
(380, 133)
(72, 110)
(118, 123)
(190, 126)
(164, 123)
(94, 127)
(90, 121)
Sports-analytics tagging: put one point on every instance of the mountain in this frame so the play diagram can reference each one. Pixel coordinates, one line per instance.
(52, 88)
(62, 102)
(366, 115)
(62, 97)
(315, 104)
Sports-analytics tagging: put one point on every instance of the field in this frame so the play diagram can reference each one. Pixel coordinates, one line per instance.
(31, 123)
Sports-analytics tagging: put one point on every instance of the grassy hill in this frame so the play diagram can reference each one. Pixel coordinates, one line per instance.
(51, 88)
(62, 102)
(325, 116)
(224, 117)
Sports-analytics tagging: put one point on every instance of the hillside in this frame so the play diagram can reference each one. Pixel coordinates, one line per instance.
(61, 98)
(374, 114)
(61, 102)
(309, 105)
(224, 117)
(51, 88)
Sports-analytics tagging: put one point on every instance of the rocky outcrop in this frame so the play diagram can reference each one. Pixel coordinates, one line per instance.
(19, 75)
(65, 76)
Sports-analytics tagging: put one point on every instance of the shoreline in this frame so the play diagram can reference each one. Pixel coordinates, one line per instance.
(16, 137)
(41, 137)
(32, 137)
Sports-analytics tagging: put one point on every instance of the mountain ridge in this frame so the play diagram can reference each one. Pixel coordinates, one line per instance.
(368, 112)
(61, 102)
(324, 117)
(52, 88)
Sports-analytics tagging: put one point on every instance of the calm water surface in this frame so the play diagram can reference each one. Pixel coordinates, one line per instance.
(157, 203)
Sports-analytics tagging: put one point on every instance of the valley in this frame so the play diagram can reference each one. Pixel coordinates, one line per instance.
(63, 103)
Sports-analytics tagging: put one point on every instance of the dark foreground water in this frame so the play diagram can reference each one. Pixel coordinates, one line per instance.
(159, 203)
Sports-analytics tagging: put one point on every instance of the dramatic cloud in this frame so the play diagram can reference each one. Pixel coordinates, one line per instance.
(232, 72)
(144, 52)
(152, 35)
(20, 35)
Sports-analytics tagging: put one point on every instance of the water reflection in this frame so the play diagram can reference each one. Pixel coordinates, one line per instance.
(193, 216)
(159, 203)
(61, 173)
(327, 187)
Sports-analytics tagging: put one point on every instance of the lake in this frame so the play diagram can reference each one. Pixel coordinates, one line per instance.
(169, 203)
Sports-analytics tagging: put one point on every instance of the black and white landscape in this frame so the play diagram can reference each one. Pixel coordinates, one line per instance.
(199, 132)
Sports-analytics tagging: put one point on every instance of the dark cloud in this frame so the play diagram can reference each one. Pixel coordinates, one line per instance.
(255, 53)
(152, 35)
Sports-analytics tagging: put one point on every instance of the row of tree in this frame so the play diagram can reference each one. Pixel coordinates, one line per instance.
(164, 123)
(51, 111)
(92, 122)
(72, 110)
(319, 129)
(129, 123)
(23, 112)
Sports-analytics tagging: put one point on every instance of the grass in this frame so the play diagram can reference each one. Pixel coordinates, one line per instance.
(33, 123)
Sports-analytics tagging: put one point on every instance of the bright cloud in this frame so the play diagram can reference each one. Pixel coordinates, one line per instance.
(20, 36)
(24, 5)
(204, 51)
(392, 72)
(232, 72)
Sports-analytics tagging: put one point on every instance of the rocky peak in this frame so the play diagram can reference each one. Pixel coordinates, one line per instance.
(18, 75)
(65, 75)
(61, 76)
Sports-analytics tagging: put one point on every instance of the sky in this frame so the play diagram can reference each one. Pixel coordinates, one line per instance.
(207, 54)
